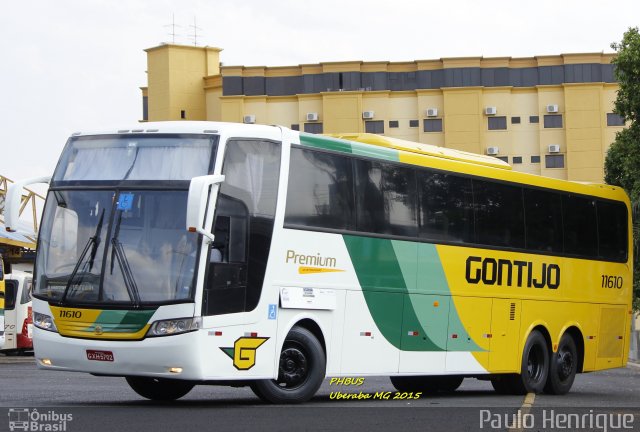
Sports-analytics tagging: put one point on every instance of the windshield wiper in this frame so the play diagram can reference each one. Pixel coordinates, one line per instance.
(92, 243)
(123, 263)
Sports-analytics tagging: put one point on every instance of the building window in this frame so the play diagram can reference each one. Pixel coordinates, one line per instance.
(503, 158)
(394, 123)
(553, 121)
(145, 108)
(497, 123)
(534, 119)
(315, 128)
(517, 159)
(414, 123)
(515, 120)
(433, 125)
(374, 126)
(183, 114)
(554, 161)
(295, 127)
(535, 159)
(614, 120)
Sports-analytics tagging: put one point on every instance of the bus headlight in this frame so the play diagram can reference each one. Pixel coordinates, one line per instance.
(45, 322)
(174, 326)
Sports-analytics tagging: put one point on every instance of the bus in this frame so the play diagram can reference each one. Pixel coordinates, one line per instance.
(175, 254)
(18, 317)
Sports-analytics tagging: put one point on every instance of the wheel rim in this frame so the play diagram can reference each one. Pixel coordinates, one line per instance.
(565, 364)
(294, 368)
(535, 363)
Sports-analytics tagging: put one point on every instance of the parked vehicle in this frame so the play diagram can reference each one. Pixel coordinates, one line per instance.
(18, 322)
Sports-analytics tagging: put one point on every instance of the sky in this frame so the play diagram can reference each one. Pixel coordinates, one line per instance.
(71, 65)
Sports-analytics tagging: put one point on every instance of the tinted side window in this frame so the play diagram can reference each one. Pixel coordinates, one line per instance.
(612, 230)
(320, 190)
(499, 214)
(543, 215)
(385, 199)
(10, 293)
(446, 207)
(579, 225)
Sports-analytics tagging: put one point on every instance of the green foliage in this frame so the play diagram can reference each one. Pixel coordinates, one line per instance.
(627, 72)
(622, 164)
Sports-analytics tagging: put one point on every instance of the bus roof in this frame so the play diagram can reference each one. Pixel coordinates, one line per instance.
(425, 149)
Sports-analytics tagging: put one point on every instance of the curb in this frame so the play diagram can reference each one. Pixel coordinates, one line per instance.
(633, 364)
(16, 360)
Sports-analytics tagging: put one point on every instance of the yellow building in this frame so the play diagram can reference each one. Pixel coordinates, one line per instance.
(548, 115)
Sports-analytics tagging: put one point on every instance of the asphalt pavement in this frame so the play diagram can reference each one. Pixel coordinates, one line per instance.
(81, 402)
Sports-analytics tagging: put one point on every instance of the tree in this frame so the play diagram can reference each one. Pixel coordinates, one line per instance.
(622, 164)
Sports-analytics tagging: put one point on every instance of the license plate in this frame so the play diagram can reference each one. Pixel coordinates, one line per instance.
(100, 355)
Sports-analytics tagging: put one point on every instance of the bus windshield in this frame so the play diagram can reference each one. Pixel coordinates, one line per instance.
(114, 221)
(135, 157)
(116, 247)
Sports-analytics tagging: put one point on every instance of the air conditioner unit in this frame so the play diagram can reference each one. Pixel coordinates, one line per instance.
(554, 148)
(367, 115)
(492, 151)
(312, 116)
(490, 111)
(432, 112)
(552, 108)
(249, 119)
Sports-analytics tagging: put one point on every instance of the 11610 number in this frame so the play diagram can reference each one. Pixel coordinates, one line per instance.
(611, 281)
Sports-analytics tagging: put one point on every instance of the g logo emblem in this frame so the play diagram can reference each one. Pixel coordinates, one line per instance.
(243, 352)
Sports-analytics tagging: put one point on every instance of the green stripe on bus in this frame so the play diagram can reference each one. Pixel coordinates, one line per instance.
(325, 143)
(121, 321)
(375, 152)
(351, 147)
(396, 277)
(384, 288)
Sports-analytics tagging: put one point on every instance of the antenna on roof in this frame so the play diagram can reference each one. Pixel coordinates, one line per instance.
(173, 26)
(195, 32)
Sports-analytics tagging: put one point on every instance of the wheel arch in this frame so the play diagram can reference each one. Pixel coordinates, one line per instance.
(541, 327)
(308, 323)
(314, 328)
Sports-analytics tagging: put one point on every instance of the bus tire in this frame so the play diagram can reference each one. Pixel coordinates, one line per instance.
(563, 367)
(159, 389)
(300, 373)
(427, 384)
(534, 368)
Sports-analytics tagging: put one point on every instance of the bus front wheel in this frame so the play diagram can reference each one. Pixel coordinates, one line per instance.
(301, 370)
(563, 367)
(159, 389)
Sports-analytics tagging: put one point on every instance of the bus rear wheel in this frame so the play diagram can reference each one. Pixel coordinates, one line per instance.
(159, 389)
(301, 370)
(534, 368)
(427, 384)
(563, 367)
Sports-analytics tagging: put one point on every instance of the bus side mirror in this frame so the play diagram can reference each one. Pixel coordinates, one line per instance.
(198, 202)
(13, 199)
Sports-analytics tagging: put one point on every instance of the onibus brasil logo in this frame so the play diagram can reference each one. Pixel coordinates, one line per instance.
(243, 352)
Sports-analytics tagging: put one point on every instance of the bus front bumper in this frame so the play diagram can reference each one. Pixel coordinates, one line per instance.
(167, 357)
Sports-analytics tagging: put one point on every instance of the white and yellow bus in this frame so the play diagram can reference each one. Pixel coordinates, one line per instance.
(185, 253)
